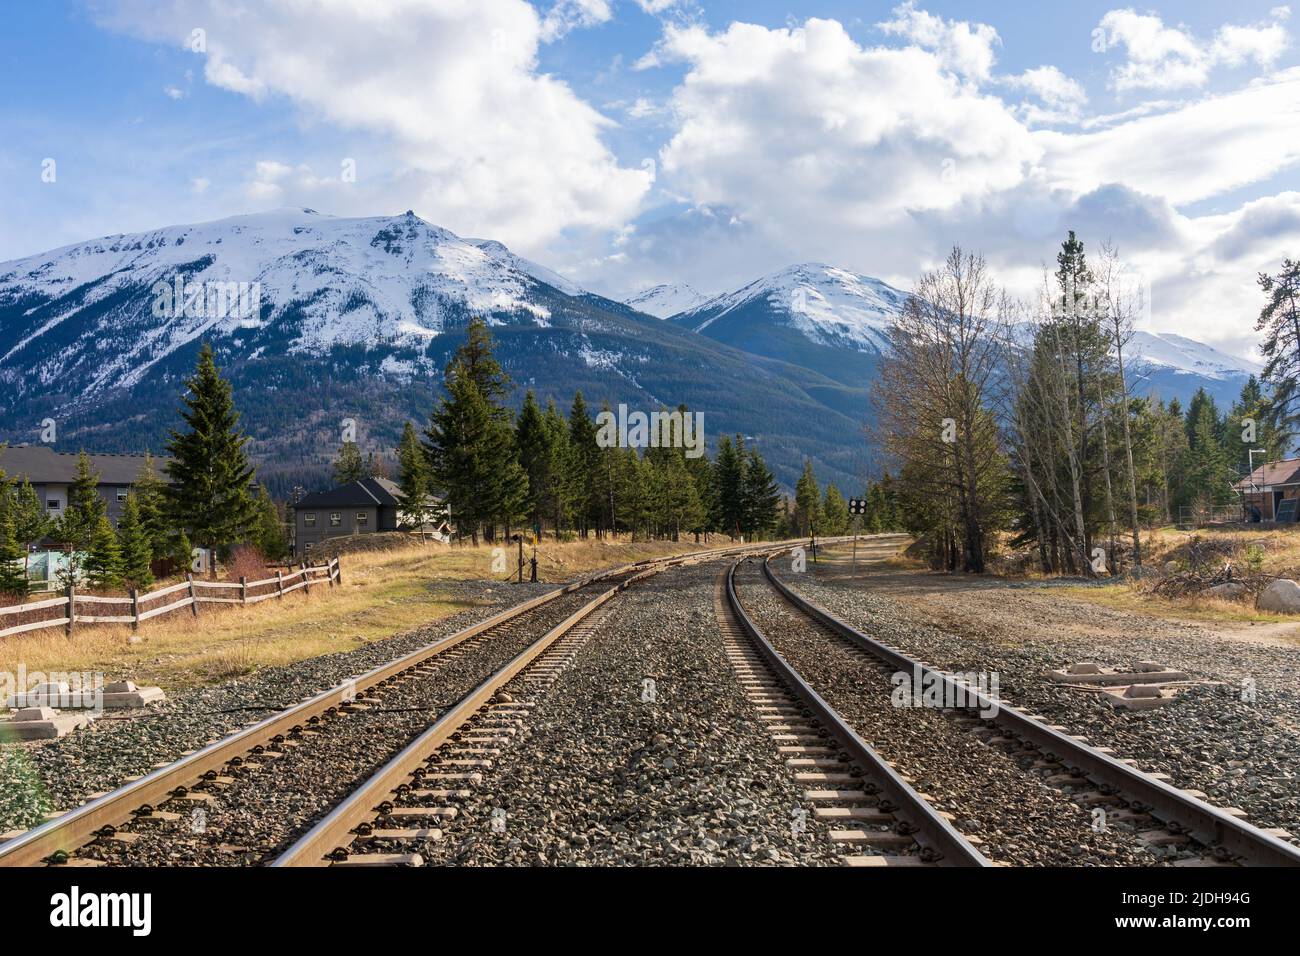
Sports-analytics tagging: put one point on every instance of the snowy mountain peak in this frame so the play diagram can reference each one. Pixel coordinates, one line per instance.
(1181, 354)
(827, 305)
(666, 299)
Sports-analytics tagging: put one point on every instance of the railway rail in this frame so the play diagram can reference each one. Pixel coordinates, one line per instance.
(185, 781)
(855, 790)
(1093, 775)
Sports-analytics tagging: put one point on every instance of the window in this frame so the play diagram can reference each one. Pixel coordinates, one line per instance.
(52, 504)
(362, 518)
(121, 494)
(336, 519)
(309, 519)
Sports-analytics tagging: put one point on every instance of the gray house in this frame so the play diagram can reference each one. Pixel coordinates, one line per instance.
(51, 472)
(359, 507)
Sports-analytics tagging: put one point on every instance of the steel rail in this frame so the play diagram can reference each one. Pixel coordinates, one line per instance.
(1205, 823)
(931, 829)
(73, 829)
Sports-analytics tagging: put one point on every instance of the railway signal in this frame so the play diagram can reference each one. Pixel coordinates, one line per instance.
(857, 508)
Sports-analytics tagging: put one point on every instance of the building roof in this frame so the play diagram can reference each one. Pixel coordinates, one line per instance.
(1285, 471)
(41, 464)
(368, 492)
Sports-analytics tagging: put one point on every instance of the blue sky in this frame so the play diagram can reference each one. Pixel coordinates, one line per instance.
(629, 142)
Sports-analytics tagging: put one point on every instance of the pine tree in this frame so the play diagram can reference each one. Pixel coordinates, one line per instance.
(31, 520)
(211, 496)
(151, 499)
(349, 466)
(103, 563)
(533, 442)
(1279, 320)
(729, 490)
(563, 492)
(137, 552)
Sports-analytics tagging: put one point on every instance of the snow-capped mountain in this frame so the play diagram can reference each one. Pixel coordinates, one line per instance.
(666, 299)
(1181, 354)
(826, 305)
(316, 318)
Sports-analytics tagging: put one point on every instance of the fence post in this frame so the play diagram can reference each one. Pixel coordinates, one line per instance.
(243, 589)
(194, 598)
(135, 606)
(329, 573)
(279, 584)
(338, 569)
(306, 579)
(72, 606)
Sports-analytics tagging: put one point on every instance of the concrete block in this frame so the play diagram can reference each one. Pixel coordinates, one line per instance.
(41, 723)
(124, 695)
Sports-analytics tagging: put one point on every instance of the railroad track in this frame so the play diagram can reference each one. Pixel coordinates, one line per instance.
(164, 794)
(866, 803)
(1090, 776)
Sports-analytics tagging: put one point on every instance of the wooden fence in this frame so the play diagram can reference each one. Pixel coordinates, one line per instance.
(195, 592)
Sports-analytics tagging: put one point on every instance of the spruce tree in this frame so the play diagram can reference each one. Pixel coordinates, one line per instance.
(103, 562)
(807, 500)
(211, 495)
(137, 552)
(761, 496)
(584, 466)
(151, 499)
(835, 512)
(349, 466)
(85, 508)
(729, 490)
(1279, 320)
(562, 491)
(13, 573)
(413, 477)
(31, 520)
(533, 441)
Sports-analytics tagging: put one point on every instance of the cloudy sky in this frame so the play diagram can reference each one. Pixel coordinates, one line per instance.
(630, 142)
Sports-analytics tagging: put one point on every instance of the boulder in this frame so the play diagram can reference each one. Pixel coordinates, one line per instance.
(1281, 596)
(1171, 567)
(1229, 591)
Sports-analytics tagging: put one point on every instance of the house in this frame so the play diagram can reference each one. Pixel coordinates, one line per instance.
(1268, 486)
(50, 473)
(359, 507)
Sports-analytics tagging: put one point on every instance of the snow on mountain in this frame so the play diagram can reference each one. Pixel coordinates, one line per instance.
(665, 300)
(343, 281)
(1182, 354)
(828, 306)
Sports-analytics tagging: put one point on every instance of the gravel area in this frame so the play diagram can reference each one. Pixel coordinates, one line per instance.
(599, 777)
(1240, 753)
(993, 794)
(39, 777)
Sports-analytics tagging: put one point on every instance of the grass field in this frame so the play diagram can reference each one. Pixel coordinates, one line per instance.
(383, 593)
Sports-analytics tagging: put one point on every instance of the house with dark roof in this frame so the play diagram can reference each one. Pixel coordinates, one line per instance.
(1272, 483)
(50, 473)
(359, 507)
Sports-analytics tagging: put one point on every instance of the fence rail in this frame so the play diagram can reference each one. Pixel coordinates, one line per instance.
(196, 593)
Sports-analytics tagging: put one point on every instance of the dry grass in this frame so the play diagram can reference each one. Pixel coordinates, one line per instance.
(383, 593)
(1128, 598)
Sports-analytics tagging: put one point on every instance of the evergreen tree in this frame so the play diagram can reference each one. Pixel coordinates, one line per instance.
(349, 466)
(533, 441)
(103, 562)
(137, 552)
(86, 506)
(413, 478)
(584, 466)
(761, 497)
(13, 573)
(562, 491)
(31, 520)
(729, 486)
(1279, 320)
(807, 502)
(151, 499)
(835, 517)
(211, 496)
(268, 531)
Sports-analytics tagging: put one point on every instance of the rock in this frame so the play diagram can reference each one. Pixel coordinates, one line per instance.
(1230, 591)
(1281, 596)
(1171, 567)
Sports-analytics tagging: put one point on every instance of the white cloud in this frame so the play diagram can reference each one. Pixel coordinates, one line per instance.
(1062, 97)
(174, 92)
(569, 15)
(656, 7)
(964, 48)
(1169, 58)
(478, 139)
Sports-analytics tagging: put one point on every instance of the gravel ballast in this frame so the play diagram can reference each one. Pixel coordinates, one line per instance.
(1241, 753)
(601, 777)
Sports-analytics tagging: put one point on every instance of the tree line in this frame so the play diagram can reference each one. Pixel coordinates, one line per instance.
(1007, 416)
(210, 501)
